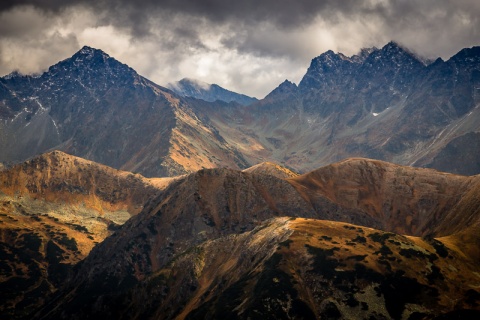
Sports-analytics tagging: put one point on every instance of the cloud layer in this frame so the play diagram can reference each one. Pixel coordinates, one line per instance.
(247, 46)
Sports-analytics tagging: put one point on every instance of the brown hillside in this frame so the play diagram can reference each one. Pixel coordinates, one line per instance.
(37, 254)
(213, 244)
(404, 200)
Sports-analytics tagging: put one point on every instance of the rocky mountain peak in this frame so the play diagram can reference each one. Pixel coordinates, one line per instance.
(88, 55)
(363, 54)
(326, 69)
(13, 74)
(468, 56)
(327, 60)
(89, 61)
(393, 53)
(89, 70)
(285, 88)
(89, 51)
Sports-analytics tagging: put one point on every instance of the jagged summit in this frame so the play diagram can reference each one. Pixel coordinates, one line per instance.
(86, 50)
(89, 54)
(468, 55)
(363, 54)
(394, 48)
(13, 74)
(285, 88)
(94, 59)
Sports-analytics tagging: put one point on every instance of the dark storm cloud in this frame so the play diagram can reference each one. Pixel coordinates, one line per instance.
(285, 13)
(242, 18)
(251, 43)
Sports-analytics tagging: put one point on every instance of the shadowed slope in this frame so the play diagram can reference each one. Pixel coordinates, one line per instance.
(291, 268)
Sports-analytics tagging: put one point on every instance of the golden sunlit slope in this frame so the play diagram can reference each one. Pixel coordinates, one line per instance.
(195, 145)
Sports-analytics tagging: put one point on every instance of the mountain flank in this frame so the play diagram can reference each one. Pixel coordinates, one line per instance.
(54, 209)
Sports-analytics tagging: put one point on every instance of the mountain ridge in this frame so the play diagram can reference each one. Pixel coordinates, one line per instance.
(385, 103)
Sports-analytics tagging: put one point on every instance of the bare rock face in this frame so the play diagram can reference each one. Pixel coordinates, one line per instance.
(460, 155)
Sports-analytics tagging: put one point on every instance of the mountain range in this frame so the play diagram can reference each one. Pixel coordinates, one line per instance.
(387, 104)
(358, 238)
(352, 195)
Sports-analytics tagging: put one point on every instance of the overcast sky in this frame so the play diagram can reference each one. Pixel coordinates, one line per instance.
(248, 46)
